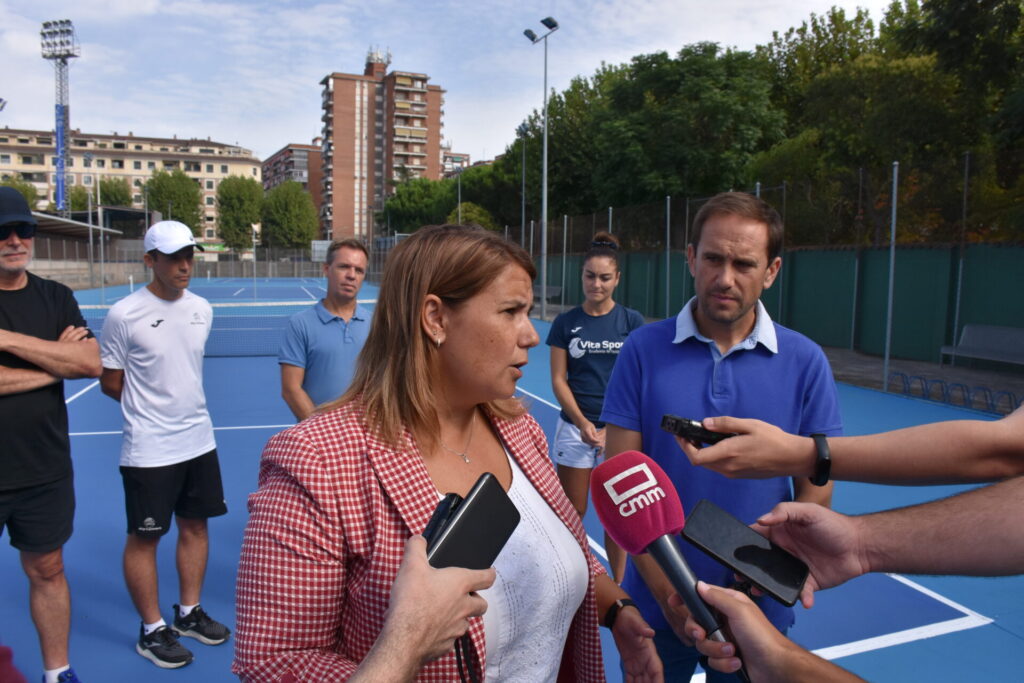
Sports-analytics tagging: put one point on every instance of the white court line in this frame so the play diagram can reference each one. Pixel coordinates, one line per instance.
(308, 293)
(970, 619)
(216, 429)
(535, 396)
(96, 383)
(240, 290)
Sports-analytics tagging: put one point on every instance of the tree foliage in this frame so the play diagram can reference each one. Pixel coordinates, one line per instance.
(115, 192)
(177, 197)
(78, 198)
(27, 189)
(239, 205)
(822, 110)
(472, 214)
(289, 217)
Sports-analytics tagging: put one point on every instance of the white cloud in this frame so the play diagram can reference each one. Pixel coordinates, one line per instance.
(249, 70)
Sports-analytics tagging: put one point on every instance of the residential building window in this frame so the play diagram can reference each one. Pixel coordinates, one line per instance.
(87, 180)
(210, 233)
(209, 168)
(209, 184)
(137, 165)
(137, 183)
(101, 163)
(5, 158)
(209, 201)
(151, 165)
(254, 172)
(87, 162)
(136, 199)
(117, 163)
(223, 168)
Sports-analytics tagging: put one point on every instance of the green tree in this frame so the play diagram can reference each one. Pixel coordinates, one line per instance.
(27, 189)
(78, 198)
(289, 217)
(239, 205)
(418, 202)
(177, 197)
(473, 214)
(115, 192)
(801, 54)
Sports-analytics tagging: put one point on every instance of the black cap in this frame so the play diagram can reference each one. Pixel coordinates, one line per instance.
(13, 207)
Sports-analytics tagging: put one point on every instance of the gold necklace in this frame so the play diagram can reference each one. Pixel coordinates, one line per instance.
(465, 458)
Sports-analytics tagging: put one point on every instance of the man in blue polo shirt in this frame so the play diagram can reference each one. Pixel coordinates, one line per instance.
(722, 355)
(320, 346)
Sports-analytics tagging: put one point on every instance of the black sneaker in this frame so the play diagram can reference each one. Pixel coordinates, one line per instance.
(200, 626)
(162, 648)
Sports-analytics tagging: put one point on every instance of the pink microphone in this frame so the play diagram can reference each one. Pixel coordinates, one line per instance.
(640, 509)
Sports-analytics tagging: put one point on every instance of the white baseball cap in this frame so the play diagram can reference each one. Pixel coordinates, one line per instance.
(168, 237)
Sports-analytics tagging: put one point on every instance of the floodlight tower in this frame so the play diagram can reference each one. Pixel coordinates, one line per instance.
(59, 44)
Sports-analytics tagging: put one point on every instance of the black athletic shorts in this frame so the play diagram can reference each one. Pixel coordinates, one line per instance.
(190, 489)
(39, 518)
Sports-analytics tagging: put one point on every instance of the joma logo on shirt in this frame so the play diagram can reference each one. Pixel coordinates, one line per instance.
(157, 323)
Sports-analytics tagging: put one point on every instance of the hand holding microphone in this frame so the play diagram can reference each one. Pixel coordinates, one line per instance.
(640, 509)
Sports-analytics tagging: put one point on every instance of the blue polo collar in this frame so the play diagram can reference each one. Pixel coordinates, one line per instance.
(326, 316)
(763, 332)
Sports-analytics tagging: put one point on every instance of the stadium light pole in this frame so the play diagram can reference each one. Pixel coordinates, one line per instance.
(58, 45)
(551, 25)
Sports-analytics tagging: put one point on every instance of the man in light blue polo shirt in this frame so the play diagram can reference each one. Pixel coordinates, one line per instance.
(320, 346)
(722, 355)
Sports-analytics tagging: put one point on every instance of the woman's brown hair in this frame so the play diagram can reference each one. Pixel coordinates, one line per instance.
(394, 372)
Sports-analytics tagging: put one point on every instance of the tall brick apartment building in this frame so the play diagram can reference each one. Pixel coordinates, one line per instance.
(378, 127)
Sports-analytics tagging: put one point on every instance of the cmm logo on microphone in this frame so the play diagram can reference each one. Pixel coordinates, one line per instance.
(634, 489)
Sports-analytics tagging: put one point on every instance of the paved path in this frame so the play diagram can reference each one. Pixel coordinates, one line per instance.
(864, 370)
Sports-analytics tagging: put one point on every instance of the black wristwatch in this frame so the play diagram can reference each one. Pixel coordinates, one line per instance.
(823, 462)
(613, 611)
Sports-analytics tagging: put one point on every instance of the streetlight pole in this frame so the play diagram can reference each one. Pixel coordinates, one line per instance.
(458, 173)
(522, 130)
(552, 26)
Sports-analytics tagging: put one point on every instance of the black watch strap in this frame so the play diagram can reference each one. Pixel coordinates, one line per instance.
(613, 611)
(823, 462)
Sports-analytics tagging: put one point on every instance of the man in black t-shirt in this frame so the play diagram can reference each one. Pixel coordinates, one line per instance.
(43, 341)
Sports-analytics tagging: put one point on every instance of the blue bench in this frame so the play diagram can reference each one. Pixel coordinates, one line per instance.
(988, 342)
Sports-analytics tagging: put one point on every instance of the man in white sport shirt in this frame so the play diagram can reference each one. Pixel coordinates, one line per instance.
(152, 353)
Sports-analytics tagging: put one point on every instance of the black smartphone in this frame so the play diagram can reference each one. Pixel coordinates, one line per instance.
(692, 430)
(470, 532)
(725, 538)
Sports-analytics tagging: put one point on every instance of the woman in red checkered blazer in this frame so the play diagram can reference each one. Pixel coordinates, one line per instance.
(431, 408)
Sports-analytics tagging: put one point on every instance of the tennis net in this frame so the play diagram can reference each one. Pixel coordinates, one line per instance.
(239, 329)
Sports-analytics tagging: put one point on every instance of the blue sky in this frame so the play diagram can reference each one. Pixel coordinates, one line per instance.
(248, 71)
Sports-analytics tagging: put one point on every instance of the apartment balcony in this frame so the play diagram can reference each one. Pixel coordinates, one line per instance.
(409, 88)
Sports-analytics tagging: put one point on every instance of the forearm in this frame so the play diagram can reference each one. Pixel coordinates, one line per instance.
(806, 492)
(976, 533)
(793, 664)
(567, 401)
(18, 380)
(388, 660)
(942, 452)
(299, 402)
(63, 359)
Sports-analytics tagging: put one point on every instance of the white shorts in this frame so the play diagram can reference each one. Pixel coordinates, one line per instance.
(569, 449)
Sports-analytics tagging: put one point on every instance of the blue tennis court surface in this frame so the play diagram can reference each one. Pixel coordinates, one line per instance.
(883, 628)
